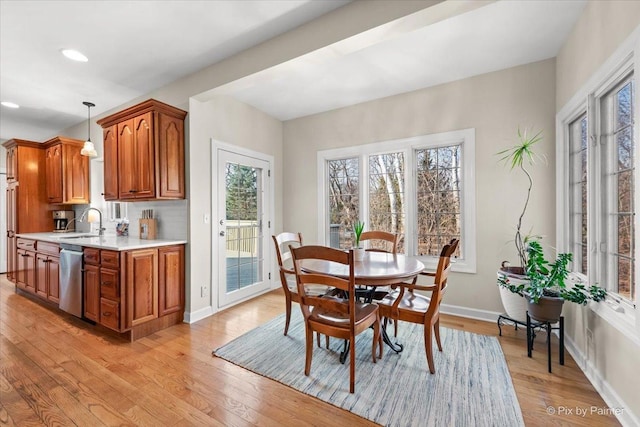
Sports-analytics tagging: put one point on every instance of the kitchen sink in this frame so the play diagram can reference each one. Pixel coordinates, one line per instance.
(82, 236)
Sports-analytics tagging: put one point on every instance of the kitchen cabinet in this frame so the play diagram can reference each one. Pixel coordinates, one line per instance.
(26, 265)
(48, 271)
(67, 171)
(91, 293)
(110, 149)
(12, 190)
(170, 279)
(136, 158)
(12, 164)
(141, 282)
(144, 152)
(27, 205)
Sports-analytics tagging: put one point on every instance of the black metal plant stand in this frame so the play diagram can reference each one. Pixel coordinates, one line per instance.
(548, 327)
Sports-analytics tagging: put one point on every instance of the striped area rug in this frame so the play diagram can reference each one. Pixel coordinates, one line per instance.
(471, 386)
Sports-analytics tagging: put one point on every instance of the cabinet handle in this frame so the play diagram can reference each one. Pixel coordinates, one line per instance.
(133, 191)
(106, 314)
(108, 282)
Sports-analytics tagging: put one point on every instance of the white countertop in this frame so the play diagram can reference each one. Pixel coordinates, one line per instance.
(116, 243)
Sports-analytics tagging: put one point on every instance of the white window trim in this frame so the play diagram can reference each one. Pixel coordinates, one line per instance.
(621, 62)
(467, 263)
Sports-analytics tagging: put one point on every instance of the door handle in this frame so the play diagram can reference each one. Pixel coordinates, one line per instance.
(222, 233)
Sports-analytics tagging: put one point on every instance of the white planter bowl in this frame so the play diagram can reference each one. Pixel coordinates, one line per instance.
(515, 305)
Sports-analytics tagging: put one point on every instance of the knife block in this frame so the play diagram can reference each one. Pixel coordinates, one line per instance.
(148, 228)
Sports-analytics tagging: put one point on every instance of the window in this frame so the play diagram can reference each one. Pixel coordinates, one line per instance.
(414, 187)
(597, 180)
(618, 175)
(578, 193)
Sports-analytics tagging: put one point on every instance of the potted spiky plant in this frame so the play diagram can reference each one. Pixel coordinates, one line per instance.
(512, 279)
(358, 251)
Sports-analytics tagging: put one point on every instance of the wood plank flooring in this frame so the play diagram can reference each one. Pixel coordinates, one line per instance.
(56, 369)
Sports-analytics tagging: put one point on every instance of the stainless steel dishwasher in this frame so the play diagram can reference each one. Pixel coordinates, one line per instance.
(71, 279)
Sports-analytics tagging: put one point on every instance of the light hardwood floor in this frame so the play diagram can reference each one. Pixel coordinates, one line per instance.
(56, 369)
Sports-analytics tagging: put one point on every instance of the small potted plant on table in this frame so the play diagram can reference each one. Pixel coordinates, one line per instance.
(358, 251)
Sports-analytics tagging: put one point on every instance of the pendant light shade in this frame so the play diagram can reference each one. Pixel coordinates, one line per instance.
(89, 149)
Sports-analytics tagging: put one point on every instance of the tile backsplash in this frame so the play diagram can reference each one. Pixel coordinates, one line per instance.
(171, 216)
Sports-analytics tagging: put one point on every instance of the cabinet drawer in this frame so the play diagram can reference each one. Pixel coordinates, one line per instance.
(26, 244)
(110, 314)
(48, 248)
(109, 284)
(110, 259)
(91, 256)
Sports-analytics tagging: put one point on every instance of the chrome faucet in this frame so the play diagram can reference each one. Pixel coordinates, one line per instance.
(101, 229)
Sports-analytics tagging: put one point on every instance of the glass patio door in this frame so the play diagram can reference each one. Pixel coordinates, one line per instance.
(243, 235)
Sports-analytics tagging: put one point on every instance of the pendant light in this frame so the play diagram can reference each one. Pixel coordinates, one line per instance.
(88, 149)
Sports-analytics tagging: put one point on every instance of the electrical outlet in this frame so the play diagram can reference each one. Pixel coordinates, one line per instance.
(203, 291)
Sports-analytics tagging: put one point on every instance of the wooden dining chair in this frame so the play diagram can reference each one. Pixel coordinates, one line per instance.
(413, 307)
(380, 241)
(287, 275)
(342, 318)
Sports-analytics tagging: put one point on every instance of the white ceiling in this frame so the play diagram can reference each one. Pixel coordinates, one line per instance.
(129, 56)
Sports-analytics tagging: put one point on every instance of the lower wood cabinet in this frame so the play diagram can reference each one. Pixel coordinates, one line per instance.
(48, 277)
(26, 270)
(141, 282)
(91, 295)
(128, 289)
(170, 279)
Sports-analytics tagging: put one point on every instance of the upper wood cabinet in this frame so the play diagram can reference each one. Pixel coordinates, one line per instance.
(144, 152)
(27, 206)
(67, 171)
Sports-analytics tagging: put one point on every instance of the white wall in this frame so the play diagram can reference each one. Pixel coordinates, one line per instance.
(609, 356)
(495, 104)
(226, 120)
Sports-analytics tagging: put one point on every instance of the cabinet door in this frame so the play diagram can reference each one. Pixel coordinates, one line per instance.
(12, 164)
(11, 231)
(111, 163)
(26, 270)
(171, 279)
(126, 161)
(92, 292)
(170, 157)
(75, 175)
(53, 167)
(142, 285)
(145, 156)
(53, 279)
(41, 275)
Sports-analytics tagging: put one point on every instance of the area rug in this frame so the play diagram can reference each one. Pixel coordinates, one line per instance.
(471, 386)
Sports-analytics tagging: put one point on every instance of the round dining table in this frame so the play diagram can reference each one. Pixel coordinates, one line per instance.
(375, 269)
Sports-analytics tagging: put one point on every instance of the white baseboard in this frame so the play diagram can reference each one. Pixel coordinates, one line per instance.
(471, 313)
(614, 403)
(192, 317)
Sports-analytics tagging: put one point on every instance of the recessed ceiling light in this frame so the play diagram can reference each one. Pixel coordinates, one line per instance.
(74, 54)
(10, 104)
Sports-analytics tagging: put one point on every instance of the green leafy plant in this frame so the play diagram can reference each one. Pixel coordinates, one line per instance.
(516, 157)
(550, 279)
(358, 227)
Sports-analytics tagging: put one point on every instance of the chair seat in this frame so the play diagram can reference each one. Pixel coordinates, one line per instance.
(410, 301)
(312, 290)
(341, 320)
